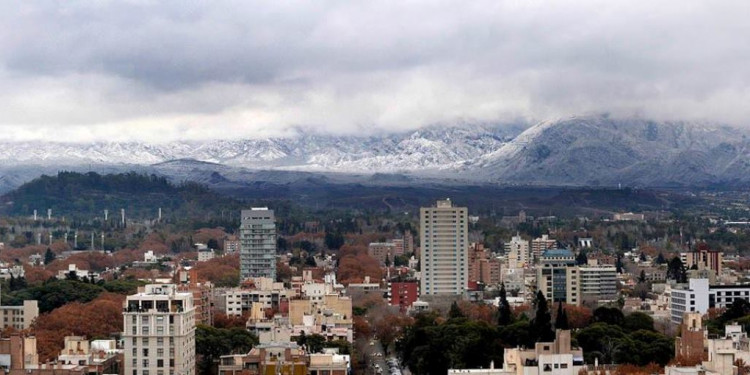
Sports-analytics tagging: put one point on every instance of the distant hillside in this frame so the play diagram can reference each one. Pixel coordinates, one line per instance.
(73, 194)
(604, 151)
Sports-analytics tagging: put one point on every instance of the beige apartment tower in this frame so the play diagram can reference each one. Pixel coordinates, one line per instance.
(445, 249)
(159, 337)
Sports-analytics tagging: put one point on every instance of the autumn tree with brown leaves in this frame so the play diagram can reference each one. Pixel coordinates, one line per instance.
(100, 318)
(222, 271)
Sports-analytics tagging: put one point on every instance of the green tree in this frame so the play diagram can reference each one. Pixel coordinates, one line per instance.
(642, 277)
(738, 309)
(314, 343)
(49, 256)
(561, 320)
(638, 321)
(334, 240)
(504, 314)
(213, 244)
(609, 315)
(541, 325)
(582, 258)
(455, 311)
(676, 270)
(211, 343)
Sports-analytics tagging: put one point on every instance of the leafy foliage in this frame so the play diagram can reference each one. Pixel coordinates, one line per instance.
(211, 343)
(99, 318)
(432, 348)
(73, 194)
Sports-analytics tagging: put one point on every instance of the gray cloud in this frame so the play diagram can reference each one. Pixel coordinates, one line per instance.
(172, 70)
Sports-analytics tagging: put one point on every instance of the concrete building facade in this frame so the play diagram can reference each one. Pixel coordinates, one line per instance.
(258, 243)
(445, 246)
(517, 252)
(19, 317)
(159, 336)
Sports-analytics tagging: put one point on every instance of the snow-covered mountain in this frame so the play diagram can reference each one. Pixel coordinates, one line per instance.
(599, 150)
(426, 149)
(584, 151)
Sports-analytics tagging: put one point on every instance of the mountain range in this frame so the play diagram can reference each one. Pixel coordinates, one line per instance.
(577, 151)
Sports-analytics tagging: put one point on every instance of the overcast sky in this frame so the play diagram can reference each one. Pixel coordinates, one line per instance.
(167, 70)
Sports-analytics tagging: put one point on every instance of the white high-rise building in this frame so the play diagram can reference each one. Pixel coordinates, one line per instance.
(445, 249)
(258, 243)
(517, 252)
(159, 336)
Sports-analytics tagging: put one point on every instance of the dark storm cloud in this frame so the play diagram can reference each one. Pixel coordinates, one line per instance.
(207, 69)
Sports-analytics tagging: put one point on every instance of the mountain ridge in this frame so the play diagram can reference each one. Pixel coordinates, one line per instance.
(580, 151)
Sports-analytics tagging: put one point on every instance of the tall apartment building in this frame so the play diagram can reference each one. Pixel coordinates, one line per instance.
(703, 258)
(539, 245)
(483, 267)
(445, 246)
(159, 336)
(517, 252)
(557, 277)
(258, 243)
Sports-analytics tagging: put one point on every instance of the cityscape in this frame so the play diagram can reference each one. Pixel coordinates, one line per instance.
(375, 188)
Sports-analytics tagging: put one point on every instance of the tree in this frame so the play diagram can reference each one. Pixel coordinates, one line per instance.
(314, 343)
(638, 321)
(334, 241)
(213, 244)
(618, 264)
(561, 320)
(676, 270)
(660, 259)
(642, 277)
(739, 308)
(609, 315)
(504, 314)
(211, 343)
(541, 325)
(49, 257)
(455, 311)
(95, 319)
(581, 258)
(389, 327)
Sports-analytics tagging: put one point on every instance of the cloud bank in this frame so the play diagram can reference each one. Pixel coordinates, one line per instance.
(169, 70)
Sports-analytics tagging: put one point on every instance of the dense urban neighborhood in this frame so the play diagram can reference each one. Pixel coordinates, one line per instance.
(443, 288)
